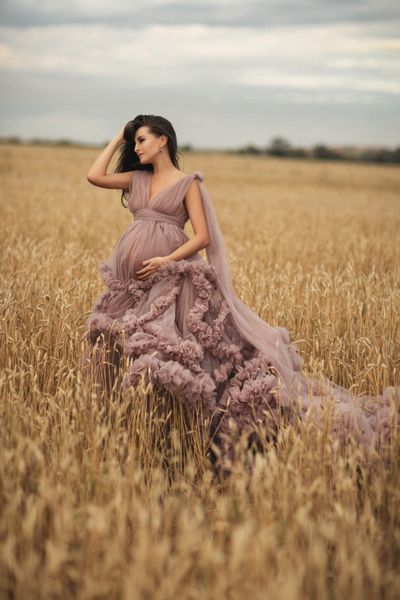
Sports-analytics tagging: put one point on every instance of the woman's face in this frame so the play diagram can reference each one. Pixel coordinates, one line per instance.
(147, 145)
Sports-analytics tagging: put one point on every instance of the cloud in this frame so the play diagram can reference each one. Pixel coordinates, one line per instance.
(231, 56)
(262, 77)
(342, 57)
(232, 13)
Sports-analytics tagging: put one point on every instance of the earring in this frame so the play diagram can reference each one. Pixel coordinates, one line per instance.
(161, 148)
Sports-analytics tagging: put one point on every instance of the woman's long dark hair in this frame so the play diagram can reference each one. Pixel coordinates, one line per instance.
(128, 159)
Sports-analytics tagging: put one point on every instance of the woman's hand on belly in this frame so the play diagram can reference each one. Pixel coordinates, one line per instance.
(151, 266)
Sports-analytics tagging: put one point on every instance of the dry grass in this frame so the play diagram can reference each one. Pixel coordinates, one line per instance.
(118, 499)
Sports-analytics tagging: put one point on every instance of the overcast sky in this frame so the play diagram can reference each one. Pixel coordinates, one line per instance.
(224, 72)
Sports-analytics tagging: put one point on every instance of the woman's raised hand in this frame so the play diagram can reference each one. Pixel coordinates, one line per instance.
(120, 136)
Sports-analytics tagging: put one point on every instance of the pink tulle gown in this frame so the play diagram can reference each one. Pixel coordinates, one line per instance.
(185, 331)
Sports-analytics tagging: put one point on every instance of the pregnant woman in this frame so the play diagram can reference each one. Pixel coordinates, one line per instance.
(177, 318)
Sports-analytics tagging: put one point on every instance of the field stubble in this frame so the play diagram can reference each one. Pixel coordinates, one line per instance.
(117, 499)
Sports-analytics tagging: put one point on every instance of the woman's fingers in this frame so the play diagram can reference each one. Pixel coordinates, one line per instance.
(145, 274)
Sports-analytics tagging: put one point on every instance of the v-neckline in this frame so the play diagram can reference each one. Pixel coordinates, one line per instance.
(149, 178)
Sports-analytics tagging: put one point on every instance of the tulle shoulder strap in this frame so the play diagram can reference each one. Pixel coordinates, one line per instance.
(198, 174)
(137, 178)
(187, 180)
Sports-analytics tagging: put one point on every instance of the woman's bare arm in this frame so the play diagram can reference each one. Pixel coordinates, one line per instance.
(201, 239)
(98, 175)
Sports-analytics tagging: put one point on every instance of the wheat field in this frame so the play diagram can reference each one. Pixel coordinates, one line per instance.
(116, 498)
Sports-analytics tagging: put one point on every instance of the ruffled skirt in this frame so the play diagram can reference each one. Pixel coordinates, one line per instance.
(176, 331)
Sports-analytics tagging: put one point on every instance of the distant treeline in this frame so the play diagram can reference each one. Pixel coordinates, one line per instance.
(14, 139)
(279, 146)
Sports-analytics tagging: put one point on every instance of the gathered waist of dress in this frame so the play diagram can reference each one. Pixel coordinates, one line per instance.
(148, 214)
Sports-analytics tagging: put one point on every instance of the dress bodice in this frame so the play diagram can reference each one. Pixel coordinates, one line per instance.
(166, 205)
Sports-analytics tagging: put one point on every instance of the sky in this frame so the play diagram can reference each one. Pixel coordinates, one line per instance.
(226, 73)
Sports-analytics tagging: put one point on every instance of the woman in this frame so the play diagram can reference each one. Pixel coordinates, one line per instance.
(177, 317)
